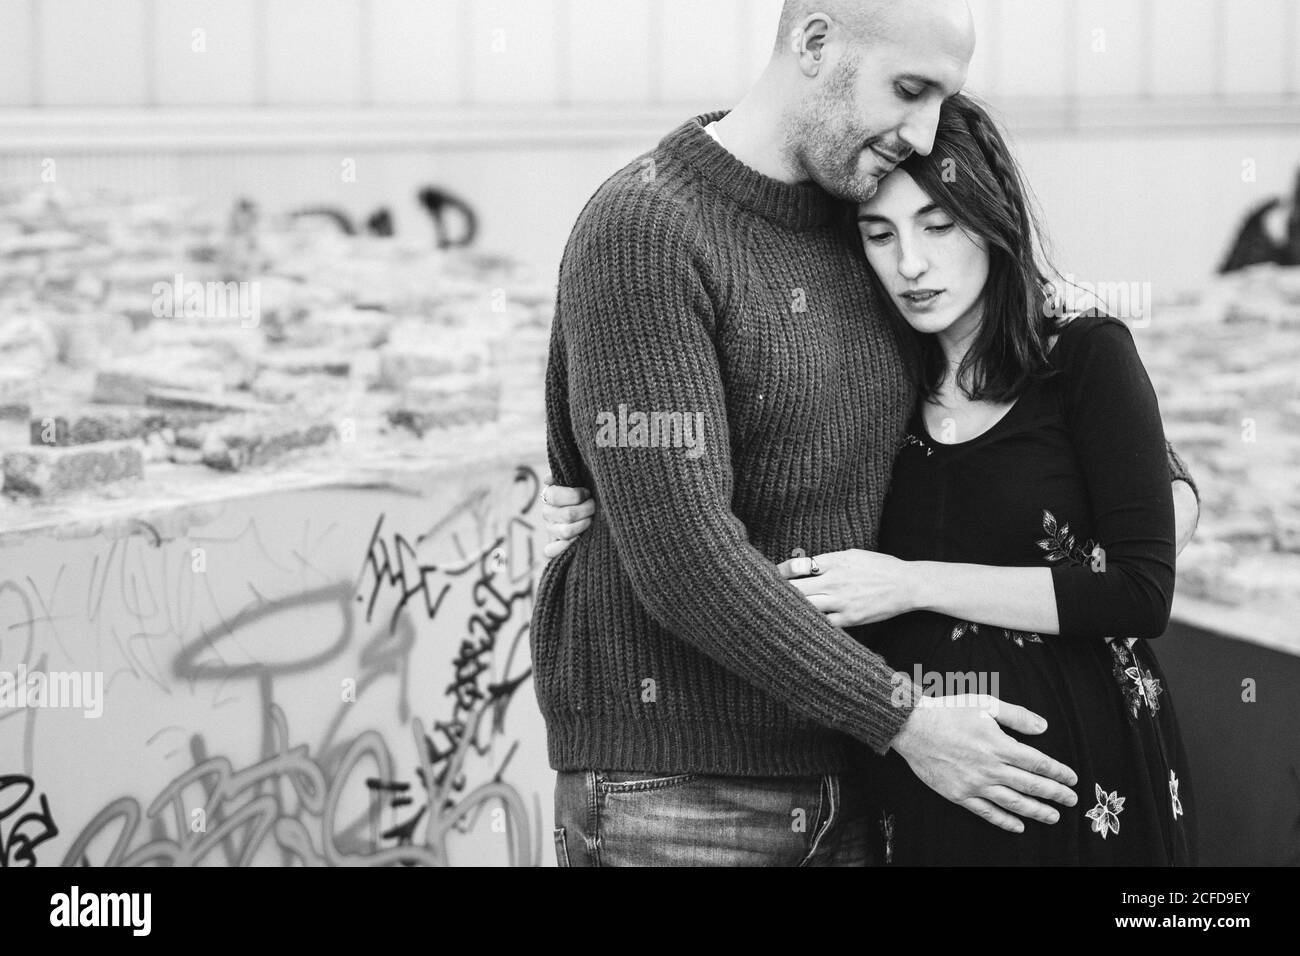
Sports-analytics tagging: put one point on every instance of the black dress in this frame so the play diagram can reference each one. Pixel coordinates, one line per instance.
(1074, 477)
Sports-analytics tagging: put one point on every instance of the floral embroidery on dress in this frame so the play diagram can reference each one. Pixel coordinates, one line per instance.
(1105, 815)
(1173, 795)
(1060, 546)
(1018, 638)
(887, 828)
(910, 439)
(962, 628)
(1139, 686)
(1146, 687)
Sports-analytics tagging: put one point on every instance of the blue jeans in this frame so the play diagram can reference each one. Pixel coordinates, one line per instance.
(615, 818)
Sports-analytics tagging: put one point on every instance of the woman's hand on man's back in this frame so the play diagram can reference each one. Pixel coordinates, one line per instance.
(567, 513)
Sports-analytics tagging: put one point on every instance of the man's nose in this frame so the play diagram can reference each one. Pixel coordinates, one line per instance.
(919, 130)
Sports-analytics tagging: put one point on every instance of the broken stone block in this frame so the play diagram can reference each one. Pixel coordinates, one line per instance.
(19, 387)
(428, 404)
(307, 361)
(249, 441)
(41, 471)
(213, 405)
(423, 422)
(41, 242)
(428, 353)
(99, 423)
(128, 381)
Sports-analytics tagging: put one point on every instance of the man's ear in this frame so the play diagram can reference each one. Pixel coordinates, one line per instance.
(810, 44)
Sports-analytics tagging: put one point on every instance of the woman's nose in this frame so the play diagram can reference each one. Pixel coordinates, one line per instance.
(911, 264)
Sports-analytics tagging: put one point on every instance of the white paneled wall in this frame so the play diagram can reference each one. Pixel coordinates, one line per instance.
(1133, 117)
(416, 53)
(331, 53)
(225, 73)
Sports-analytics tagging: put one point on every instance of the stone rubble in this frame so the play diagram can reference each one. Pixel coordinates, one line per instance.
(151, 338)
(1225, 363)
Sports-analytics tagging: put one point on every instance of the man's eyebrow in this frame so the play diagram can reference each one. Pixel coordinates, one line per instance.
(926, 82)
(923, 211)
(918, 78)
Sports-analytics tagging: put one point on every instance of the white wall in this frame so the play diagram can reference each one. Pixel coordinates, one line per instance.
(559, 52)
(1133, 117)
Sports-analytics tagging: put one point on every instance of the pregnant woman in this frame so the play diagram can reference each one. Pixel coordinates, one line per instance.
(1029, 525)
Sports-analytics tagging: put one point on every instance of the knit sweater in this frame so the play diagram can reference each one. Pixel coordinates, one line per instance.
(724, 378)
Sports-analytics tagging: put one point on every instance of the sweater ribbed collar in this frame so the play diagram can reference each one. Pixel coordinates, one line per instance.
(796, 206)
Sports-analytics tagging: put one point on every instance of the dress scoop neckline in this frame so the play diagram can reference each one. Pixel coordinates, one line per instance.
(919, 413)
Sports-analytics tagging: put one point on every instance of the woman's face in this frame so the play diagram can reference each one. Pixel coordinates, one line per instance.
(934, 270)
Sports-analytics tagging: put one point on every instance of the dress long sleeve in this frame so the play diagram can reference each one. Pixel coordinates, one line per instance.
(1114, 420)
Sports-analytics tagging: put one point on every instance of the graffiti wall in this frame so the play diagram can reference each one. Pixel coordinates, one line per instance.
(336, 676)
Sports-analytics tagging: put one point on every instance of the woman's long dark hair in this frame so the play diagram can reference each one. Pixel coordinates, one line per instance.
(971, 175)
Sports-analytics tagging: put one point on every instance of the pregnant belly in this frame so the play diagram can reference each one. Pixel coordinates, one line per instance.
(1054, 676)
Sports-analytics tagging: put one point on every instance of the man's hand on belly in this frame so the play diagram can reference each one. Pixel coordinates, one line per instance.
(956, 747)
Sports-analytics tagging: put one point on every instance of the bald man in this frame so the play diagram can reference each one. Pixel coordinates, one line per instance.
(724, 378)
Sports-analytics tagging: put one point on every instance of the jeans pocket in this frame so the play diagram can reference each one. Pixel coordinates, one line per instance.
(625, 781)
(561, 848)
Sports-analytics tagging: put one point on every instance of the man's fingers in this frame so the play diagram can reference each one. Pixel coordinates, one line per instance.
(1032, 785)
(1036, 762)
(988, 812)
(1017, 718)
(1020, 805)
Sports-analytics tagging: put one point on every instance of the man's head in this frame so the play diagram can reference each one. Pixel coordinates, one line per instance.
(866, 79)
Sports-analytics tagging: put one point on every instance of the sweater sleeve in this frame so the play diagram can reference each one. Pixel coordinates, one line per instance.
(637, 323)
(1114, 420)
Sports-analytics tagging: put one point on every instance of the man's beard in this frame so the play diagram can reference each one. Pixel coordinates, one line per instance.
(827, 164)
(832, 160)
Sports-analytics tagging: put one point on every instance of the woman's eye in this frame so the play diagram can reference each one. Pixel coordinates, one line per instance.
(942, 229)
(880, 238)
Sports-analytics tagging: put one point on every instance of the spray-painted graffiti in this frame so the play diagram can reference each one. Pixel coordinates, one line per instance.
(502, 596)
(414, 761)
(22, 833)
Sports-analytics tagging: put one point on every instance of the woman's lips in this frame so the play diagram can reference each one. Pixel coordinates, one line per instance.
(921, 299)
